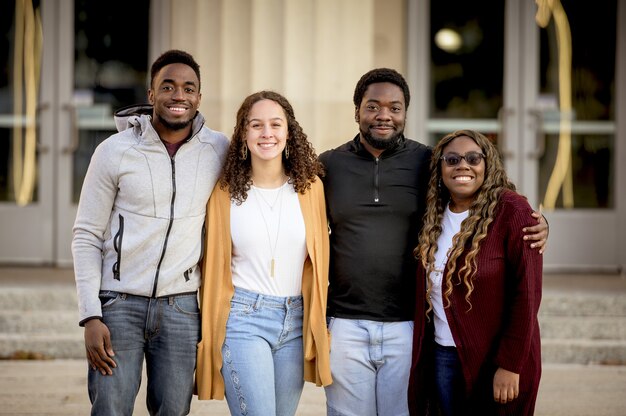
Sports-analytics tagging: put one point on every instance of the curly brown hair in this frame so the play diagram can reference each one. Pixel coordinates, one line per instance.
(474, 227)
(302, 165)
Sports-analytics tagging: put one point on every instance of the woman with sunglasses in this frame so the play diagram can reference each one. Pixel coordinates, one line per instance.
(478, 351)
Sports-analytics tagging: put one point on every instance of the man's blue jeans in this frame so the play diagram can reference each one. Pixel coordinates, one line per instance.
(166, 332)
(262, 362)
(370, 363)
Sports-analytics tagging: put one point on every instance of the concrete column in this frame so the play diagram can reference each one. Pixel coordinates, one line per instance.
(313, 52)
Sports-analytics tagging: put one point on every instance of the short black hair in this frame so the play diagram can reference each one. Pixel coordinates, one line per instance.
(379, 75)
(174, 56)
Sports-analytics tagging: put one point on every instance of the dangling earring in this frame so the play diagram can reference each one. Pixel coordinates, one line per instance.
(286, 152)
(244, 152)
(439, 184)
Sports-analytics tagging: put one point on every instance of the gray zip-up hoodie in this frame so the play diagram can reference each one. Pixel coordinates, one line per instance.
(139, 224)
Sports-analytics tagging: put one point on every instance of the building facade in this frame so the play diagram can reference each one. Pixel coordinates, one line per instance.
(546, 80)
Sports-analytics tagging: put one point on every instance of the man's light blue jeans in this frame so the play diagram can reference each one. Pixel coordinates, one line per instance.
(166, 332)
(262, 364)
(370, 363)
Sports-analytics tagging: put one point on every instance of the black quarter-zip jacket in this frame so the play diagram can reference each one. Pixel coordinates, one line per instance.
(375, 210)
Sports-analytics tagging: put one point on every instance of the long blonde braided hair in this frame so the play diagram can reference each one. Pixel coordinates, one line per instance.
(474, 227)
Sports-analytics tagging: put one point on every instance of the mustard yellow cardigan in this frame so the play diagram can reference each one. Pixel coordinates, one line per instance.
(217, 290)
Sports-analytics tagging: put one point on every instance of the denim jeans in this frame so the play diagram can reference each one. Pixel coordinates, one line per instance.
(370, 363)
(263, 355)
(449, 382)
(165, 331)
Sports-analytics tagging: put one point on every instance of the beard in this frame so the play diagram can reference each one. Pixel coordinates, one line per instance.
(382, 144)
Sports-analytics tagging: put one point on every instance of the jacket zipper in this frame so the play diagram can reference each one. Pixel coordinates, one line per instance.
(376, 169)
(169, 227)
(117, 245)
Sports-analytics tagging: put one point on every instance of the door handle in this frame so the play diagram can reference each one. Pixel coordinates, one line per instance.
(540, 136)
(9, 121)
(503, 115)
(74, 133)
(40, 147)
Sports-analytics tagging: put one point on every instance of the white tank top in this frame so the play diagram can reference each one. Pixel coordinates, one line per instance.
(267, 228)
(451, 225)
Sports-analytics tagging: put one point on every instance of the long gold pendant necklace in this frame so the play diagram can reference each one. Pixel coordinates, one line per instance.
(257, 195)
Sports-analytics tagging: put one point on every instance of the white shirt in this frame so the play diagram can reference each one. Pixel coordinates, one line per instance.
(451, 225)
(268, 225)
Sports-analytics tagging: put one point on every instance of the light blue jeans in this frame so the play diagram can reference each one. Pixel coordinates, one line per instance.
(263, 354)
(370, 363)
(166, 332)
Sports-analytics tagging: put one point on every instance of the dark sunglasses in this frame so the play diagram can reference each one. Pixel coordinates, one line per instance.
(472, 158)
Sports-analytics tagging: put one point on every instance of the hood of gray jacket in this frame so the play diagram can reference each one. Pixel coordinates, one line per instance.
(125, 116)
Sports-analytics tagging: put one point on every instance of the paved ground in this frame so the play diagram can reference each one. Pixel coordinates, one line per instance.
(58, 387)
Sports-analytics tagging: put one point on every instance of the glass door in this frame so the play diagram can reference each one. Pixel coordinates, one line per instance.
(26, 148)
(542, 87)
(575, 143)
(105, 67)
(71, 65)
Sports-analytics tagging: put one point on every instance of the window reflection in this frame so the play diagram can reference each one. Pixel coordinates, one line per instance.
(467, 77)
(589, 108)
(110, 71)
(20, 48)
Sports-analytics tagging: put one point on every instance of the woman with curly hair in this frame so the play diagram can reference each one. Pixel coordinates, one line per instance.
(265, 274)
(476, 344)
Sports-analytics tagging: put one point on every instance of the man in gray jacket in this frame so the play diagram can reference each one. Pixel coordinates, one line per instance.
(137, 242)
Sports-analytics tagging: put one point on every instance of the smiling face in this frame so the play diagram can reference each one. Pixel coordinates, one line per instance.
(176, 97)
(267, 131)
(462, 180)
(381, 116)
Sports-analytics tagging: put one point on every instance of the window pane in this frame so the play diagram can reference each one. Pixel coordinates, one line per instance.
(110, 70)
(467, 53)
(20, 27)
(586, 179)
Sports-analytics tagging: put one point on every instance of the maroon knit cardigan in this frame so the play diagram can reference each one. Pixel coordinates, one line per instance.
(501, 327)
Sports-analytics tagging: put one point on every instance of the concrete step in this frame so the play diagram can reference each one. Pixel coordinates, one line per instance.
(49, 345)
(576, 327)
(580, 304)
(554, 351)
(579, 327)
(63, 297)
(29, 298)
(583, 327)
(583, 351)
(39, 322)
